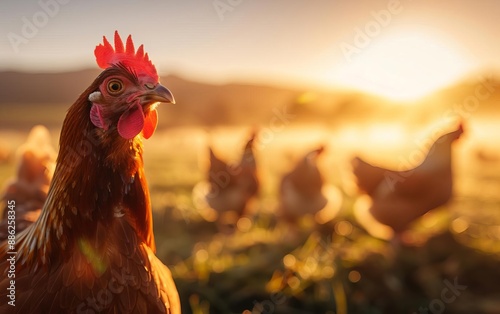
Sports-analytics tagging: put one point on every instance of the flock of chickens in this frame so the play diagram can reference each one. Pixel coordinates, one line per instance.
(395, 198)
(84, 238)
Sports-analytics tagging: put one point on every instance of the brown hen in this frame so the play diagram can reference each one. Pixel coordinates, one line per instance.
(92, 249)
(400, 197)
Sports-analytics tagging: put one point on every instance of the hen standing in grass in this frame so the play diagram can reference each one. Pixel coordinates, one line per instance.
(301, 192)
(30, 186)
(92, 248)
(229, 188)
(400, 197)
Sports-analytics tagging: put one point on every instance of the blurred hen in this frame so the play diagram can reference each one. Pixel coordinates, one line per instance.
(303, 192)
(400, 197)
(228, 189)
(36, 161)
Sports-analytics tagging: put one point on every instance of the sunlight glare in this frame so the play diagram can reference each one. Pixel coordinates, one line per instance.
(404, 66)
(384, 133)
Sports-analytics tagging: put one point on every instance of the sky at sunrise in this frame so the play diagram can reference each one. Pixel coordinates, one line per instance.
(400, 49)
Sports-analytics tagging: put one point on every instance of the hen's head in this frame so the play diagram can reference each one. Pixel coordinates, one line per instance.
(127, 90)
(453, 135)
(458, 132)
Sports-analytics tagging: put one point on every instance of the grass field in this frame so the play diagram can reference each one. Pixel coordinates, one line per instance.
(267, 266)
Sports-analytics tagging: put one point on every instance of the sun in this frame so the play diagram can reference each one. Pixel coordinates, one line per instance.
(403, 66)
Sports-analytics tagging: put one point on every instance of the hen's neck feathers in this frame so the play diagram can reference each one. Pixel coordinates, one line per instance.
(99, 176)
(439, 155)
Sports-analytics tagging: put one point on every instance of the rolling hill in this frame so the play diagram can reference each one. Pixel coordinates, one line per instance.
(31, 98)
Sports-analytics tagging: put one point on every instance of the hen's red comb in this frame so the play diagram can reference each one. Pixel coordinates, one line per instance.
(137, 61)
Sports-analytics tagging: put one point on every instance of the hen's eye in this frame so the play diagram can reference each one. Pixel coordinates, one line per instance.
(115, 86)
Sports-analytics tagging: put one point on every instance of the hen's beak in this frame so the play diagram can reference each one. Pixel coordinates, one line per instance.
(159, 93)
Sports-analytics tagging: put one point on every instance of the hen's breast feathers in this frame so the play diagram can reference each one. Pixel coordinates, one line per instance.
(114, 271)
(92, 253)
(80, 200)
